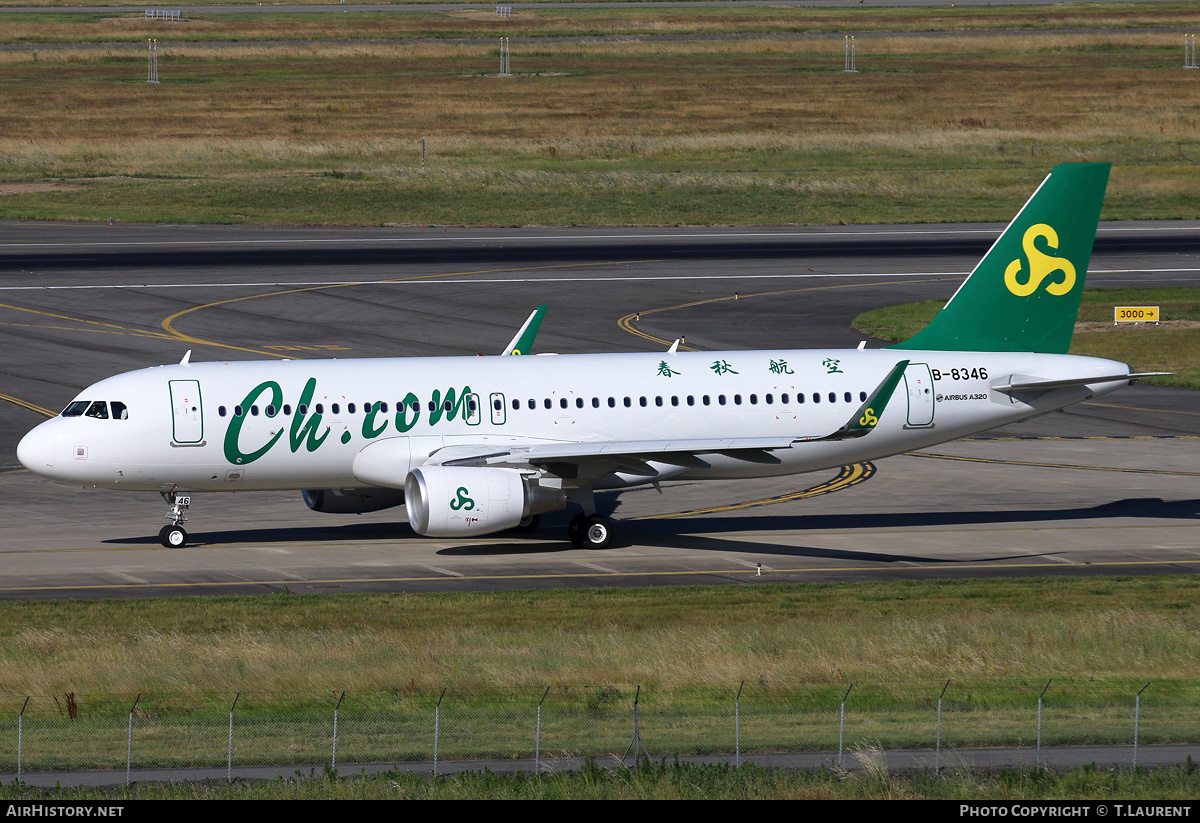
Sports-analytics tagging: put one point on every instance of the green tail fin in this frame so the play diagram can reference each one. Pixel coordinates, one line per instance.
(1024, 294)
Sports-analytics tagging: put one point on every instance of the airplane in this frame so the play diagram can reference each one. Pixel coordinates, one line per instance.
(475, 445)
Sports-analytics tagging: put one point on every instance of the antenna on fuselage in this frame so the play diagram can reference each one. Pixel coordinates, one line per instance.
(674, 347)
(187, 357)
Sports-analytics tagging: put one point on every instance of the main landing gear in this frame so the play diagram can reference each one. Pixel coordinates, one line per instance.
(590, 531)
(173, 536)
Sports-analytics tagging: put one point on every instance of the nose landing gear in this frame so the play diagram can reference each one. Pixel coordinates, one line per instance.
(173, 536)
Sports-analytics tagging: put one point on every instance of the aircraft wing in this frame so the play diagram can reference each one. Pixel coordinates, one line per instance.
(633, 455)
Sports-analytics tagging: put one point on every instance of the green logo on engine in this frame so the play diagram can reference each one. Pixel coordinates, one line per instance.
(462, 501)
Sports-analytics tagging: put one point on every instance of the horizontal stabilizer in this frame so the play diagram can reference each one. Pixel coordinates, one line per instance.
(1026, 385)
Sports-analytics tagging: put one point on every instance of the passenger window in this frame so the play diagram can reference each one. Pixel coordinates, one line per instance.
(254, 410)
(674, 400)
(532, 403)
(832, 397)
(548, 404)
(302, 409)
(783, 398)
(579, 402)
(862, 395)
(737, 400)
(691, 401)
(642, 401)
(270, 410)
(349, 408)
(628, 402)
(334, 408)
(448, 406)
(383, 406)
(287, 409)
(658, 401)
(119, 411)
(98, 410)
(497, 405)
(721, 399)
(320, 408)
(612, 402)
(75, 408)
(849, 397)
(562, 402)
(705, 400)
(595, 402)
(754, 400)
(238, 411)
(816, 397)
(220, 411)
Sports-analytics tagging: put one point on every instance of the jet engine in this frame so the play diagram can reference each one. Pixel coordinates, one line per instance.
(459, 501)
(352, 501)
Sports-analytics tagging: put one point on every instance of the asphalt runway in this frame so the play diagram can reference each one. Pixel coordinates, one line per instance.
(1109, 487)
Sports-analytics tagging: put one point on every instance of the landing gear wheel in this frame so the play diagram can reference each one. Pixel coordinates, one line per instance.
(529, 524)
(590, 531)
(173, 537)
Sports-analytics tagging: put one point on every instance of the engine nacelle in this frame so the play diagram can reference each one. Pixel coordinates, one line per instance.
(458, 501)
(352, 501)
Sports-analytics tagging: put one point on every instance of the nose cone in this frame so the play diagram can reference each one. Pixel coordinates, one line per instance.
(36, 450)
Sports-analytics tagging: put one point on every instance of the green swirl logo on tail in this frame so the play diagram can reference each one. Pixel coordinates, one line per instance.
(1041, 265)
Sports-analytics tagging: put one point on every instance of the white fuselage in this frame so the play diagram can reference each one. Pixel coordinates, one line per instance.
(300, 424)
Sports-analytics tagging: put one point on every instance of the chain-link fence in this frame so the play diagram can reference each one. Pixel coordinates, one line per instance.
(168, 737)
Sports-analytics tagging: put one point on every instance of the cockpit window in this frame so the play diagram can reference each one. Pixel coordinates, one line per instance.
(76, 408)
(98, 410)
(119, 410)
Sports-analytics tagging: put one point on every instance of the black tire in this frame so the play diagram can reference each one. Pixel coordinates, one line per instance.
(575, 530)
(597, 532)
(173, 537)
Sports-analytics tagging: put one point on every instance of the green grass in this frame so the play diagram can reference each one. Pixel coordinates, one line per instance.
(1144, 347)
(656, 781)
(285, 652)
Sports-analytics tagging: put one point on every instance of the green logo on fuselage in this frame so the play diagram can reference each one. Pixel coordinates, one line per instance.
(306, 429)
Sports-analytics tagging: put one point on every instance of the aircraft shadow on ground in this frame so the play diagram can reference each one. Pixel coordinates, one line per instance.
(372, 252)
(705, 533)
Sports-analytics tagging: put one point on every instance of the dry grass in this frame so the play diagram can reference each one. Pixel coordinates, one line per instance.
(547, 22)
(933, 128)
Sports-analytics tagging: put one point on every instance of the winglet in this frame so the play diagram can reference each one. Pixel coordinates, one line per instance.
(522, 343)
(871, 411)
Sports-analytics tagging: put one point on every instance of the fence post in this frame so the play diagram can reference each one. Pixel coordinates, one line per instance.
(229, 768)
(21, 735)
(1038, 756)
(333, 761)
(842, 728)
(1137, 716)
(737, 726)
(537, 746)
(437, 721)
(937, 757)
(129, 740)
